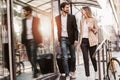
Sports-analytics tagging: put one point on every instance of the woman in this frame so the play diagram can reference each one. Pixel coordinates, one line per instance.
(4, 34)
(89, 41)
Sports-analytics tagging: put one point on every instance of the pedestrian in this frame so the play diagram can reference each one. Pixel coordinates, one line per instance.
(67, 38)
(89, 40)
(4, 34)
(31, 37)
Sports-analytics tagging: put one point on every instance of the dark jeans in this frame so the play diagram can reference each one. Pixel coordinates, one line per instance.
(6, 56)
(86, 49)
(65, 45)
(31, 48)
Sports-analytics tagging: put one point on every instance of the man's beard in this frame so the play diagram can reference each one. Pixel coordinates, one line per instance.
(26, 15)
(66, 11)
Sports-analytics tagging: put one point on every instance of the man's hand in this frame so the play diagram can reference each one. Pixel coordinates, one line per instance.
(75, 43)
(58, 43)
(40, 45)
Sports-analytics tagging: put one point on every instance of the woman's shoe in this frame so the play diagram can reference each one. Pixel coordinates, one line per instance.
(72, 75)
(68, 78)
(87, 78)
(96, 75)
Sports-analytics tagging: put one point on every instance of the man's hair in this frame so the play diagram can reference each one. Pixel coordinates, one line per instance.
(28, 8)
(62, 5)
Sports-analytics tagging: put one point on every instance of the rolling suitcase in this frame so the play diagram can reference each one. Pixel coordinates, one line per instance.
(45, 62)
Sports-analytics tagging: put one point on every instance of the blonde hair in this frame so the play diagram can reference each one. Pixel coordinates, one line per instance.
(88, 11)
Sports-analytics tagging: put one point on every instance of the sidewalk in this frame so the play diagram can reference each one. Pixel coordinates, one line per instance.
(80, 72)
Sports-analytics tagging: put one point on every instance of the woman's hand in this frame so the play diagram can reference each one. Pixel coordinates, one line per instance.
(75, 43)
(90, 28)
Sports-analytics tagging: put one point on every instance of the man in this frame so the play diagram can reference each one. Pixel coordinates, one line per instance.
(68, 38)
(31, 37)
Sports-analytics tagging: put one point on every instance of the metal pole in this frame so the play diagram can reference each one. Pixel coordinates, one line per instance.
(71, 7)
(52, 24)
(103, 58)
(99, 66)
(10, 38)
(114, 13)
(59, 6)
(107, 51)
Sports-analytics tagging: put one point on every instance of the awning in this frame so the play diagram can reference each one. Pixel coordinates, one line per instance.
(45, 6)
(42, 6)
(93, 3)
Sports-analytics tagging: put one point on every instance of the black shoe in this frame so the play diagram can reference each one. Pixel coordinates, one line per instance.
(7, 77)
(36, 73)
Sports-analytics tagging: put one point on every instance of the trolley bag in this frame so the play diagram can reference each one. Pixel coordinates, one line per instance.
(60, 62)
(45, 62)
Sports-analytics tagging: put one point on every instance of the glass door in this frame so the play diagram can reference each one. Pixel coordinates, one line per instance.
(4, 42)
(41, 9)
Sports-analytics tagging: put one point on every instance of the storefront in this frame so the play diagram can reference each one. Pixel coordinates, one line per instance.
(46, 10)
